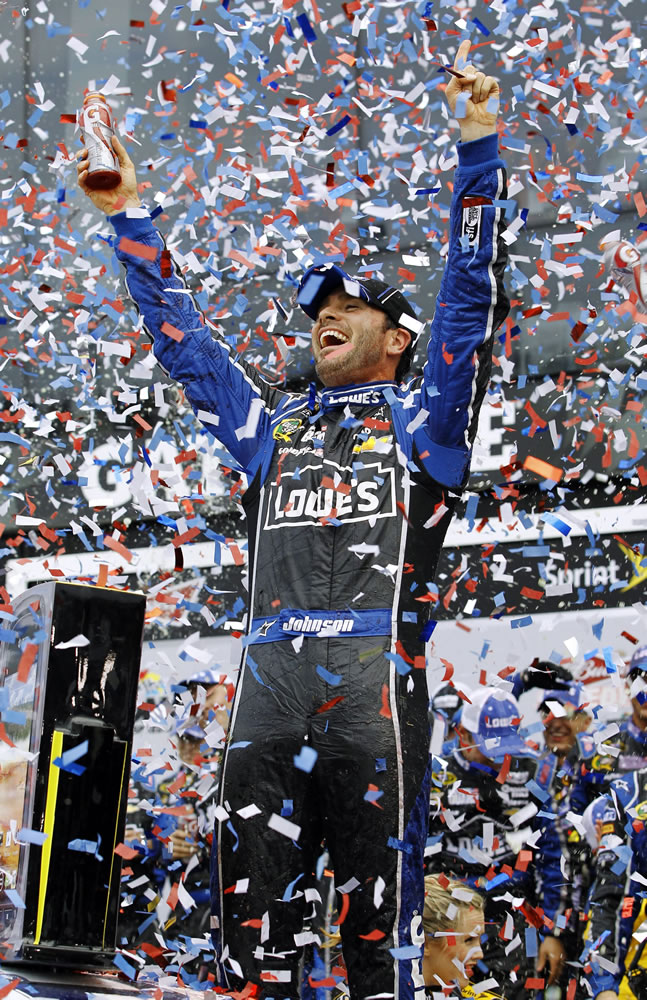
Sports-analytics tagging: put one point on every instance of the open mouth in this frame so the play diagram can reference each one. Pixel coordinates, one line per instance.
(330, 337)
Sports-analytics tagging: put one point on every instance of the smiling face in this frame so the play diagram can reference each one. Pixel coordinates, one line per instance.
(353, 342)
(560, 732)
(452, 959)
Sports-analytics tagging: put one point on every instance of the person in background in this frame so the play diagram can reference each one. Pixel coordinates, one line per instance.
(617, 933)
(444, 711)
(453, 922)
(485, 830)
(567, 745)
(623, 751)
(170, 821)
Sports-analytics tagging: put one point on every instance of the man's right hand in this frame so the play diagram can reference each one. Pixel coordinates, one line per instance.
(120, 198)
(547, 676)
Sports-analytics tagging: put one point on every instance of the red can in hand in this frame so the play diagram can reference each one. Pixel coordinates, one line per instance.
(97, 129)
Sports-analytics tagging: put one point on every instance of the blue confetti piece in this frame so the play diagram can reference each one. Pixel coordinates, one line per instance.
(308, 291)
(557, 523)
(338, 126)
(83, 846)
(496, 881)
(15, 899)
(479, 24)
(399, 845)
(406, 952)
(521, 622)
(305, 759)
(535, 790)
(234, 834)
(427, 630)
(124, 966)
(289, 892)
(254, 669)
(67, 760)
(328, 677)
(27, 836)
(402, 667)
(14, 718)
(16, 439)
(531, 942)
(306, 28)
(461, 105)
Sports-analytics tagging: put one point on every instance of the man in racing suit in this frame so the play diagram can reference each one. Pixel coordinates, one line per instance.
(351, 489)
(491, 826)
(615, 750)
(618, 911)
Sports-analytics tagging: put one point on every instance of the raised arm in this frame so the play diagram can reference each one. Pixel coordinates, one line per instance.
(229, 396)
(472, 302)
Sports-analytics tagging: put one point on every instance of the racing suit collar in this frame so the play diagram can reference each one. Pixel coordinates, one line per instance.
(365, 394)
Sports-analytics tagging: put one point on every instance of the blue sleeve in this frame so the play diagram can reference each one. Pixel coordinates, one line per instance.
(554, 887)
(228, 395)
(518, 686)
(471, 305)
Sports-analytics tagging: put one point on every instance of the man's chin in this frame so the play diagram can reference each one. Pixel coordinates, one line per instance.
(332, 373)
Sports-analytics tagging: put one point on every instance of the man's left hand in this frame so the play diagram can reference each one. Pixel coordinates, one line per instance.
(473, 97)
(553, 954)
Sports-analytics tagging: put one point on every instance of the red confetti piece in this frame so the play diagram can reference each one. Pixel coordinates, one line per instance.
(543, 469)
(136, 249)
(118, 547)
(449, 669)
(385, 711)
(172, 331)
(127, 853)
(26, 660)
(330, 704)
(505, 770)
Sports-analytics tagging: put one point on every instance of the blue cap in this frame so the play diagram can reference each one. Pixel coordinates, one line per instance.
(492, 716)
(321, 280)
(572, 695)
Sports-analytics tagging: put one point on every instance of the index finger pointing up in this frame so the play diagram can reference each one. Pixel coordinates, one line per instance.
(463, 52)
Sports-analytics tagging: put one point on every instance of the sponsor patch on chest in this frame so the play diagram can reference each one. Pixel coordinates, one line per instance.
(309, 495)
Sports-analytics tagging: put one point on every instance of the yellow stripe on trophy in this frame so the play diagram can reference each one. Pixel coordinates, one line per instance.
(114, 844)
(50, 815)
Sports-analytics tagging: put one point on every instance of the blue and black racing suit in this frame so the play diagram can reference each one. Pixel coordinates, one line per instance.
(350, 494)
(497, 832)
(618, 900)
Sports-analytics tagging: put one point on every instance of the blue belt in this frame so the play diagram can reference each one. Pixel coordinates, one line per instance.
(319, 624)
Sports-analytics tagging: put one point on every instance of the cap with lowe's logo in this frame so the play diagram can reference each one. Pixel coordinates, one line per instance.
(320, 280)
(492, 717)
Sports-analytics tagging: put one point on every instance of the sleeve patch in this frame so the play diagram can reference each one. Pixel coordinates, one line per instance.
(471, 229)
